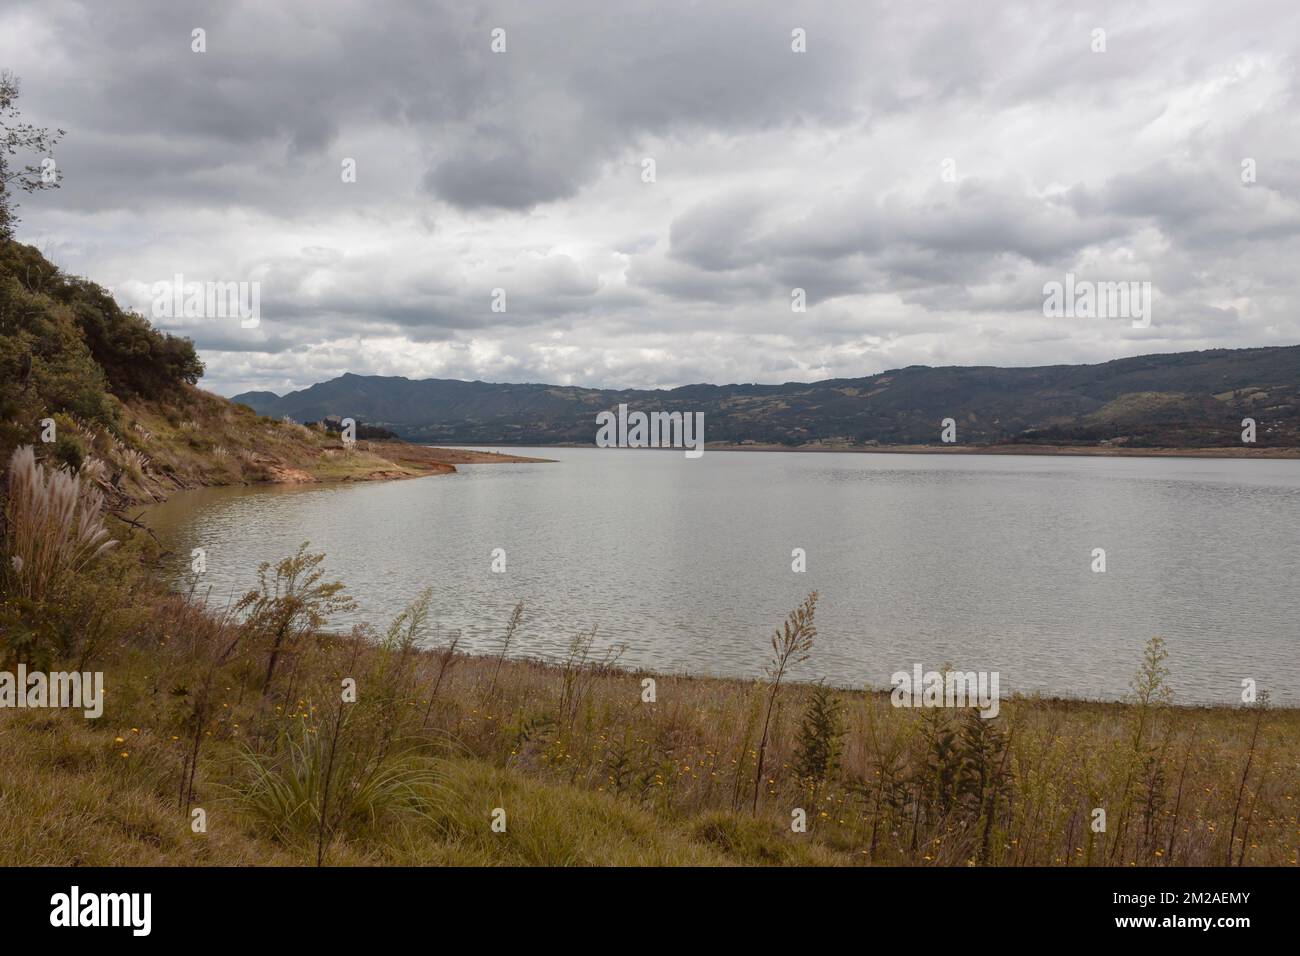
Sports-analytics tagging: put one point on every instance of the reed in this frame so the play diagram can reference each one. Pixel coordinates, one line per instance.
(53, 528)
(790, 646)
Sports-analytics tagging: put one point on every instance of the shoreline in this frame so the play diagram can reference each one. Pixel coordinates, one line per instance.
(388, 461)
(1078, 451)
(429, 460)
(459, 455)
(1081, 451)
(555, 669)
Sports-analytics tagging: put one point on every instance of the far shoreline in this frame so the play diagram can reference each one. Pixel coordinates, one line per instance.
(1081, 451)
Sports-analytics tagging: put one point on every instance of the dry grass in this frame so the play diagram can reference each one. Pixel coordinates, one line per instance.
(695, 749)
(628, 782)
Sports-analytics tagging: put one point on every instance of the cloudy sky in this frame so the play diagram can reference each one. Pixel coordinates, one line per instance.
(921, 171)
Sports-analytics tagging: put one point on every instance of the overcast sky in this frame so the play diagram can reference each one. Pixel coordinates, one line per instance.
(774, 170)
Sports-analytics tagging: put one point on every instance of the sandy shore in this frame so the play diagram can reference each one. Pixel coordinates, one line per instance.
(418, 461)
(459, 456)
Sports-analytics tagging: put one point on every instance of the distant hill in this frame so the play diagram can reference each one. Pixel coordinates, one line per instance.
(1186, 399)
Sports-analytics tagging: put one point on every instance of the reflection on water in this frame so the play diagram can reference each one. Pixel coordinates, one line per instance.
(981, 561)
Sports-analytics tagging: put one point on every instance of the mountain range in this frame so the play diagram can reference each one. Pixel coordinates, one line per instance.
(1186, 399)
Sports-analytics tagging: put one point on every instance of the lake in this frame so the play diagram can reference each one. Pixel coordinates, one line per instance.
(982, 561)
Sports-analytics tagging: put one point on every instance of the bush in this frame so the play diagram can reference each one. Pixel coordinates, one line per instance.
(818, 744)
(69, 451)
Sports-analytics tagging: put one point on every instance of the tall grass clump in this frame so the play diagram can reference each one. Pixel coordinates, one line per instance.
(516, 616)
(790, 646)
(316, 786)
(53, 527)
(351, 756)
(1259, 707)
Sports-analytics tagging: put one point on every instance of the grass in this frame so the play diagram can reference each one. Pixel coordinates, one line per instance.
(390, 747)
(69, 798)
(104, 792)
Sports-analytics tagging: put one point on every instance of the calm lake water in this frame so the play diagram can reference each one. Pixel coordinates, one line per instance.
(981, 561)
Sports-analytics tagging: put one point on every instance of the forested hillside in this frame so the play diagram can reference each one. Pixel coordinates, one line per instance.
(1189, 399)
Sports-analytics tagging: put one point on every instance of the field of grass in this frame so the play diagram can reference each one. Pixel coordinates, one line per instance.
(254, 735)
(616, 781)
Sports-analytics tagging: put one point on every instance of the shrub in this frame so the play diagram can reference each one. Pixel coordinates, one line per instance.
(290, 604)
(69, 452)
(817, 745)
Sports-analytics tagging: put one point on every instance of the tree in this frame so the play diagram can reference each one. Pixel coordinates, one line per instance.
(17, 137)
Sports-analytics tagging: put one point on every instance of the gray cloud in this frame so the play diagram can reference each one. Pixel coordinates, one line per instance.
(775, 170)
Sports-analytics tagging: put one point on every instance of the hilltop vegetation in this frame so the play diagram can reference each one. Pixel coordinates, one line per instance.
(1186, 400)
(66, 347)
